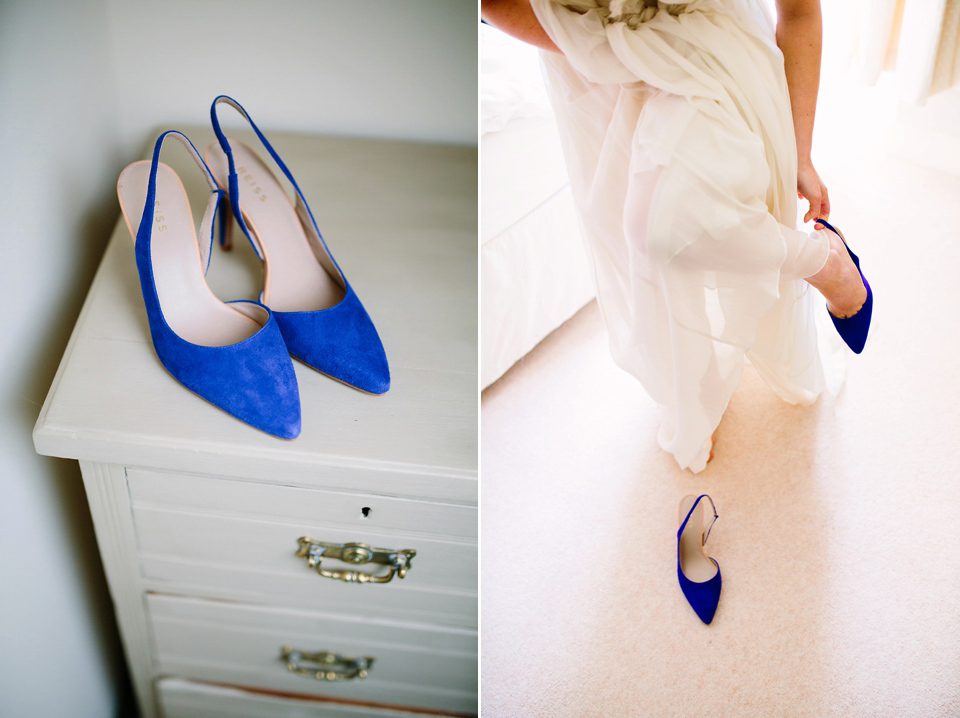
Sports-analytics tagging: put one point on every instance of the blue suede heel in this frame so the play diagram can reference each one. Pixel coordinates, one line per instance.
(703, 596)
(853, 330)
(339, 340)
(252, 379)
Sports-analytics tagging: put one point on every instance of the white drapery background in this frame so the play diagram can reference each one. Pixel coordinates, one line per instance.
(916, 39)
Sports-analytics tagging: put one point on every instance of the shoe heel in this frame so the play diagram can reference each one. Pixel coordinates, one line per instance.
(226, 222)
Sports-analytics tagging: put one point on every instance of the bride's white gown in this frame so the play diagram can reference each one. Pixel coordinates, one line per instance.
(679, 142)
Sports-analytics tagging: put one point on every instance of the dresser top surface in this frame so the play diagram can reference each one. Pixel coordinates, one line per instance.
(401, 220)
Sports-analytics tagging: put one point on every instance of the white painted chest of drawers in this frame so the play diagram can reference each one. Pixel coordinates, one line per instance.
(198, 516)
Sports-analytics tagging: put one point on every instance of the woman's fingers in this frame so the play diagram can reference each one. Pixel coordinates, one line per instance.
(815, 205)
(811, 188)
(824, 212)
(824, 203)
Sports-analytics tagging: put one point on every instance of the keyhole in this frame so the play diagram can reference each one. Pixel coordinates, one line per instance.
(365, 511)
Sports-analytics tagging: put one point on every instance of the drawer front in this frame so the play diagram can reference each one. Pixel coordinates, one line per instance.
(188, 699)
(185, 551)
(445, 608)
(414, 665)
(360, 511)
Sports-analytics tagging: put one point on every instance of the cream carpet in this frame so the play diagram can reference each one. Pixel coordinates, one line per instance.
(839, 529)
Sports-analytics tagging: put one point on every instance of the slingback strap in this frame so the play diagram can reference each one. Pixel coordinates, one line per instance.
(833, 229)
(690, 512)
(826, 224)
(232, 179)
(145, 230)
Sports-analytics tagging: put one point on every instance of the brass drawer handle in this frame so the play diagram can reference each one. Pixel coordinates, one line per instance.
(355, 553)
(328, 666)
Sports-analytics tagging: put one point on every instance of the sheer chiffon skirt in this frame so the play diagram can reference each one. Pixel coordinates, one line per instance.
(678, 138)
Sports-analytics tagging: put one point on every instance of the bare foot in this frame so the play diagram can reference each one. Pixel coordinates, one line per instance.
(839, 281)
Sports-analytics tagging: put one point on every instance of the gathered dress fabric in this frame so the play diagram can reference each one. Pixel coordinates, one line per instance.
(678, 137)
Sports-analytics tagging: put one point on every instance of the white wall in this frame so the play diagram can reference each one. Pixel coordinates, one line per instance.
(400, 69)
(59, 651)
(82, 84)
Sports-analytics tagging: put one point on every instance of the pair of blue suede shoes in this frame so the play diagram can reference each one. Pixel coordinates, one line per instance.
(237, 355)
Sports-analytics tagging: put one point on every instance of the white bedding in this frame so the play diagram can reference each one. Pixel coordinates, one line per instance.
(533, 265)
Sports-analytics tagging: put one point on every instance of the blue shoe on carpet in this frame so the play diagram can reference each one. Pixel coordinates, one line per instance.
(699, 574)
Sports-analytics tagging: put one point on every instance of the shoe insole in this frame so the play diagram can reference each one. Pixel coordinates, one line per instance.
(189, 307)
(294, 278)
(693, 561)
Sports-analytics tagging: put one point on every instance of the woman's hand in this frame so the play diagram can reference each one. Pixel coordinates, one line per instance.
(811, 188)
